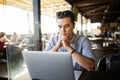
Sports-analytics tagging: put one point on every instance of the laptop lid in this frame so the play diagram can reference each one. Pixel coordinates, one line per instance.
(49, 65)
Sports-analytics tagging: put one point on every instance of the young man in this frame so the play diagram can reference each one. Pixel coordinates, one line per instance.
(67, 41)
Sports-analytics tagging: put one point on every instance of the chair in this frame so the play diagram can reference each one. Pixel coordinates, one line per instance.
(101, 65)
(109, 63)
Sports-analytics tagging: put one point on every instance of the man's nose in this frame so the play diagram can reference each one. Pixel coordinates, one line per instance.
(63, 29)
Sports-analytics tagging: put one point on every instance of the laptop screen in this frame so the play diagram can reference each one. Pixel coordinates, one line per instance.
(49, 65)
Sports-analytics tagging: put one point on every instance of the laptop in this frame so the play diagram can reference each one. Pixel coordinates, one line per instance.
(49, 65)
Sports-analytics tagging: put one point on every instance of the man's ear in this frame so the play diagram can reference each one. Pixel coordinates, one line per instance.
(74, 25)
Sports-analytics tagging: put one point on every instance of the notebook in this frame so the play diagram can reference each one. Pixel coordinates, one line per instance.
(49, 65)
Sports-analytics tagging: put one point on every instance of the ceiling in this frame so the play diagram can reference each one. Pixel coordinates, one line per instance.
(48, 7)
(22, 4)
(104, 11)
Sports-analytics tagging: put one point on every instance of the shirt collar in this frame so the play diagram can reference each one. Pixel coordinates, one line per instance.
(73, 39)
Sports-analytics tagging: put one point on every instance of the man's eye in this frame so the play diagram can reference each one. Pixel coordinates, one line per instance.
(59, 26)
(66, 26)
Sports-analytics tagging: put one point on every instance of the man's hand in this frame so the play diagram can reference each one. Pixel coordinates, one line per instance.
(62, 42)
(57, 46)
(59, 43)
(66, 43)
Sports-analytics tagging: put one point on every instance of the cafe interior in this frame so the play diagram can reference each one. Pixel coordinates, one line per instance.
(34, 22)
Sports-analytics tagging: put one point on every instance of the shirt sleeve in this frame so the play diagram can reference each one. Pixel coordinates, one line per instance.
(86, 49)
(51, 43)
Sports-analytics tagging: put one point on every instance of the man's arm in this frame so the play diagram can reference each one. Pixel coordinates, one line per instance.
(82, 60)
(57, 46)
(87, 63)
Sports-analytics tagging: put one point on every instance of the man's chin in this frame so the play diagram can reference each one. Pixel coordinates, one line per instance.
(64, 37)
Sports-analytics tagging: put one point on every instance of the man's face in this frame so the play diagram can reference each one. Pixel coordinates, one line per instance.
(65, 27)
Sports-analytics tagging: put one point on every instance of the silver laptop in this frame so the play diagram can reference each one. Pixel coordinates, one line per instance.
(49, 65)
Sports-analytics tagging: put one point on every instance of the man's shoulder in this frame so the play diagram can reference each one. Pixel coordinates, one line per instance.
(81, 36)
(55, 36)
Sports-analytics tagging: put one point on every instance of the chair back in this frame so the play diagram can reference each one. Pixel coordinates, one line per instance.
(109, 63)
(101, 64)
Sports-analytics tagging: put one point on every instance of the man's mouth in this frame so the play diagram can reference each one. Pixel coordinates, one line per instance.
(63, 34)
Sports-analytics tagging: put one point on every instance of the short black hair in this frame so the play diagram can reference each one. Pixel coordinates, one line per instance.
(66, 13)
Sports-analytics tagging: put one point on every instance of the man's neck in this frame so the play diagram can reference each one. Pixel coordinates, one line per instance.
(71, 36)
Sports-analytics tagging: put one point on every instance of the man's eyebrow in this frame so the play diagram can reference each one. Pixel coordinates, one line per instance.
(59, 25)
(63, 25)
(66, 24)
